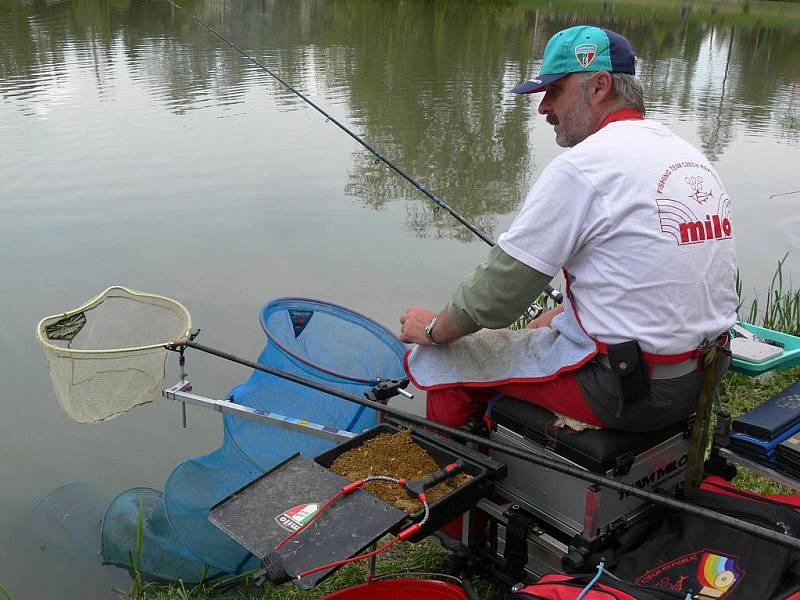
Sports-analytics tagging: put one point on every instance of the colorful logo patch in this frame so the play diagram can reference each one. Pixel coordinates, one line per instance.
(297, 516)
(585, 54)
(716, 574)
(300, 319)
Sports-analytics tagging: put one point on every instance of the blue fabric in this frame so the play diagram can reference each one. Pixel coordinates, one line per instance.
(312, 339)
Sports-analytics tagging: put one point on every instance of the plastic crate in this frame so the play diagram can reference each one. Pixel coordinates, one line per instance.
(789, 358)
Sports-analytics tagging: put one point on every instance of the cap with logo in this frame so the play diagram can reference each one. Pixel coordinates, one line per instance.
(581, 49)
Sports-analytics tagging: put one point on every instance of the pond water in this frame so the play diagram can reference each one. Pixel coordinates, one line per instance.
(138, 149)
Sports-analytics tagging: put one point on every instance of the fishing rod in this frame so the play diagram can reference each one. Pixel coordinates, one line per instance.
(553, 465)
(549, 291)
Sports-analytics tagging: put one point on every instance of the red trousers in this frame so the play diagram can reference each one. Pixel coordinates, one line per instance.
(454, 406)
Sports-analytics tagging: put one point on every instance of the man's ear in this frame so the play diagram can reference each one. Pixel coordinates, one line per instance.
(601, 88)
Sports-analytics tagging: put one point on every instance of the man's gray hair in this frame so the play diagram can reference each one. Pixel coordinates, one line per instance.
(628, 91)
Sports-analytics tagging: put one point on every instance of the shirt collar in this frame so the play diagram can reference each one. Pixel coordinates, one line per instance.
(621, 115)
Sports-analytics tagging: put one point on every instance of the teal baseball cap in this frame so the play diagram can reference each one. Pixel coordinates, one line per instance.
(581, 49)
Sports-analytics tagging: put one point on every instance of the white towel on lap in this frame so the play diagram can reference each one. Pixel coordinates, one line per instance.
(495, 356)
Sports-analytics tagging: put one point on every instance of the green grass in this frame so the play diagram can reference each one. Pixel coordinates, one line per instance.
(5, 593)
(424, 557)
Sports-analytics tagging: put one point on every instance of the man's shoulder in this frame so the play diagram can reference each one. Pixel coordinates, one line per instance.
(619, 139)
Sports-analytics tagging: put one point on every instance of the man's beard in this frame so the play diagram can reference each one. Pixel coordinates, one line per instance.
(575, 126)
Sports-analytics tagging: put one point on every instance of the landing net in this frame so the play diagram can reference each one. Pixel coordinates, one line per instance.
(110, 355)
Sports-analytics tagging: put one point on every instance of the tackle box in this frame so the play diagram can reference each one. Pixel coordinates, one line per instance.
(650, 461)
(788, 358)
(788, 455)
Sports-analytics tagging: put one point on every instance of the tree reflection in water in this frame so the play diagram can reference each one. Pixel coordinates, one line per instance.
(425, 83)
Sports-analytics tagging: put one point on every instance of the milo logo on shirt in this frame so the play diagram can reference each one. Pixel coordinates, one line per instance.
(692, 207)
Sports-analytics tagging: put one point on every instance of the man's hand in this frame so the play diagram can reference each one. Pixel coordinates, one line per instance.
(415, 319)
(545, 319)
(412, 326)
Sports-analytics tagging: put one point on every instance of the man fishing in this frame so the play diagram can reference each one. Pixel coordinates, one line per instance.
(640, 224)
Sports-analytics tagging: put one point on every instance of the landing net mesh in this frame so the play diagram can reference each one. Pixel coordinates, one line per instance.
(110, 355)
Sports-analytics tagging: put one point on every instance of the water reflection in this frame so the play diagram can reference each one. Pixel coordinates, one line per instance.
(427, 84)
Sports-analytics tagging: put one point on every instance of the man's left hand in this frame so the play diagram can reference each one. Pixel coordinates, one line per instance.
(412, 325)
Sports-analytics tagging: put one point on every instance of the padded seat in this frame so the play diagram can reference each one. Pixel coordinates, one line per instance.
(597, 450)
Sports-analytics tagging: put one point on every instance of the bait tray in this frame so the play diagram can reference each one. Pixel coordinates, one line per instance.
(253, 515)
(483, 470)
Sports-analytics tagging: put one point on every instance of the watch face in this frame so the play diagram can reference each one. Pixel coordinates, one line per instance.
(429, 330)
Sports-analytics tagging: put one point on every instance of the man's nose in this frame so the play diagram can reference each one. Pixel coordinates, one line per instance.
(545, 106)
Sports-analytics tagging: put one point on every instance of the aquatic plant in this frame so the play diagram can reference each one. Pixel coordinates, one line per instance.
(779, 309)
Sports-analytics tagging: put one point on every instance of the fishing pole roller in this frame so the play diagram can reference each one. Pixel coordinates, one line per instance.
(272, 571)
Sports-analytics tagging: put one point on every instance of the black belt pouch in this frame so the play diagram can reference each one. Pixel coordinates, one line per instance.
(627, 362)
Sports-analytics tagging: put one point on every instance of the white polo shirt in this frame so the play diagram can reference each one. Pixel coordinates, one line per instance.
(642, 224)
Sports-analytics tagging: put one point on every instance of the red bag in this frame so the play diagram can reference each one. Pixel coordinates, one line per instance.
(569, 587)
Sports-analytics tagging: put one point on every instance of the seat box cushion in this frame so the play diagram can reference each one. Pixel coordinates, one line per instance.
(598, 450)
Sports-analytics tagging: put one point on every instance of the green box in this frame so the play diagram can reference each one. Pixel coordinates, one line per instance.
(789, 358)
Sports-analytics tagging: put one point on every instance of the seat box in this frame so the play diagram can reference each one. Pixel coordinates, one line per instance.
(654, 461)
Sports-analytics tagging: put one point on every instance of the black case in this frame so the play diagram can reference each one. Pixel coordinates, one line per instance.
(773, 417)
(627, 362)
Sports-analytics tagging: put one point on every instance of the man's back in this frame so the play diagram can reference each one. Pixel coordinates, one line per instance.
(642, 224)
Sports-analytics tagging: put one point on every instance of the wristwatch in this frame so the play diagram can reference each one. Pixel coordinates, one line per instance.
(429, 331)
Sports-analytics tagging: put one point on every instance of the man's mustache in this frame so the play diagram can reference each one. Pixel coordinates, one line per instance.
(552, 119)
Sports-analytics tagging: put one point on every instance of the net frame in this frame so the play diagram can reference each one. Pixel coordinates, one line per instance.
(356, 318)
(62, 360)
(96, 301)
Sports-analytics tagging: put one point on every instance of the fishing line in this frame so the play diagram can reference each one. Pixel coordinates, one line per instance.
(783, 194)
(553, 465)
(549, 290)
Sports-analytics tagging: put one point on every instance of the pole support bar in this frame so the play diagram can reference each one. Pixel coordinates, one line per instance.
(180, 392)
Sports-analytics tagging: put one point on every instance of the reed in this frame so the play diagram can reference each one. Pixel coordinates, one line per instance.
(135, 559)
(5, 593)
(779, 308)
